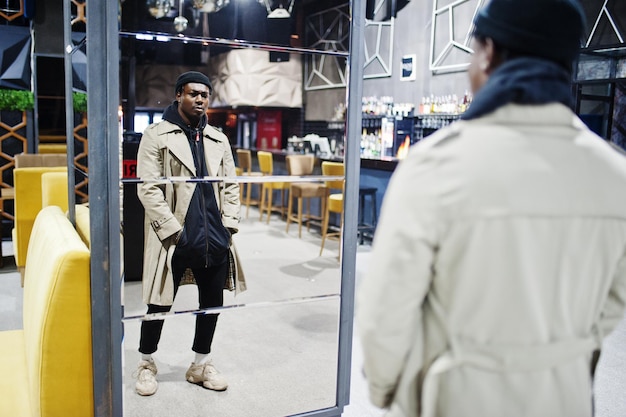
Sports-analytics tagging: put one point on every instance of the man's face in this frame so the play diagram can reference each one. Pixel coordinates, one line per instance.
(474, 71)
(193, 101)
(481, 63)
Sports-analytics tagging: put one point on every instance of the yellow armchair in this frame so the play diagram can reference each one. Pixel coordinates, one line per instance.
(28, 203)
(54, 189)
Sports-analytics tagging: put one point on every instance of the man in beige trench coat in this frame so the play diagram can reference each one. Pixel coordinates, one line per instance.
(188, 224)
(499, 262)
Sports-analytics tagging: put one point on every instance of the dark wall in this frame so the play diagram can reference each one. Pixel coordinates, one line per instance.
(48, 27)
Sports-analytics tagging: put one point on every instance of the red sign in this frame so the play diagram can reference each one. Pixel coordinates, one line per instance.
(269, 134)
(130, 168)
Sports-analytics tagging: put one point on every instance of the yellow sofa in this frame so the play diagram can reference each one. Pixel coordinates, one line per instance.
(53, 148)
(83, 228)
(47, 366)
(54, 189)
(81, 212)
(28, 202)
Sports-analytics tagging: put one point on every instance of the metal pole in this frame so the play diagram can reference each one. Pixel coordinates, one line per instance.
(69, 108)
(104, 221)
(352, 161)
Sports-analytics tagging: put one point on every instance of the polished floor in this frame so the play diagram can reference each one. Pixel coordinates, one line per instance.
(277, 342)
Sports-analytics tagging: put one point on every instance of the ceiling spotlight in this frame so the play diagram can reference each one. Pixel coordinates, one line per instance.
(209, 6)
(180, 21)
(159, 8)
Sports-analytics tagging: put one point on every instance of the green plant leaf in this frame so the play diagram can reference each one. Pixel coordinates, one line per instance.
(80, 102)
(16, 100)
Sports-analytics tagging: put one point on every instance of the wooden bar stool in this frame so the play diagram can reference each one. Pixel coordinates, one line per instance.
(301, 165)
(334, 201)
(244, 162)
(266, 165)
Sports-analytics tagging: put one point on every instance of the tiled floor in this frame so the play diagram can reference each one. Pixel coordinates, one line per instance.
(289, 365)
(286, 368)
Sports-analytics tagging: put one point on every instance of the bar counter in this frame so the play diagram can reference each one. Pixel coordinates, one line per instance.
(382, 164)
(375, 173)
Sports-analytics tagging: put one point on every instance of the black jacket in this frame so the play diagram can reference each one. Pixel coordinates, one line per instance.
(204, 241)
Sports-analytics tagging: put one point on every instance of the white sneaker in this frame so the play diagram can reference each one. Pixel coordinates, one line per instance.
(146, 378)
(207, 376)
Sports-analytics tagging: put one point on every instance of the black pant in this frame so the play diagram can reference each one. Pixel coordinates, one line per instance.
(210, 282)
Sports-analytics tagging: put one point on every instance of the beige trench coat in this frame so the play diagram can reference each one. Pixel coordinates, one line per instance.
(498, 266)
(164, 152)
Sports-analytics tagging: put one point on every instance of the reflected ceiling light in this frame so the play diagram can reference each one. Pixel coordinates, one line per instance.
(279, 13)
(158, 8)
(180, 21)
(143, 37)
(209, 6)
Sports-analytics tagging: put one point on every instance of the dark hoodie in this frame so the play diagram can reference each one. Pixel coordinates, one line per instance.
(204, 240)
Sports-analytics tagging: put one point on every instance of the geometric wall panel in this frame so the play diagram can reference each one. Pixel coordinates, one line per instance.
(451, 30)
(13, 140)
(330, 31)
(327, 31)
(378, 49)
(606, 25)
(12, 10)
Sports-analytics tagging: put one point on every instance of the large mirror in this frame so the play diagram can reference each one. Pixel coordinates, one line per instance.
(278, 72)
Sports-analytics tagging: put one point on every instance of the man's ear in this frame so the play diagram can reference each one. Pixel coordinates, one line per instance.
(492, 60)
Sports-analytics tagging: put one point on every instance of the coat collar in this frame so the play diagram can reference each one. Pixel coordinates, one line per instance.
(178, 146)
(540, 114)
(213, 151)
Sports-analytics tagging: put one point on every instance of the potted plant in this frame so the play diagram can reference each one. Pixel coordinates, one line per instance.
(14, 105)
(16, 100)
(79, 101)
(15, 114)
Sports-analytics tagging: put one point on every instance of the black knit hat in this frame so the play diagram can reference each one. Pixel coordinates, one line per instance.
(550, 29)
(193, 77)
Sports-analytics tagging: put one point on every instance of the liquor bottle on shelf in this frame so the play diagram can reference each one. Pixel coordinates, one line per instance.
(464, 103)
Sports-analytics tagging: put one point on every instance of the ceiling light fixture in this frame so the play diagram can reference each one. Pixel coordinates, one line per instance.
(180, 21)
(209, 6)
(158, 8)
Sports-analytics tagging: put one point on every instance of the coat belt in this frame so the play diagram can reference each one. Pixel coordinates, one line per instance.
(499, 358)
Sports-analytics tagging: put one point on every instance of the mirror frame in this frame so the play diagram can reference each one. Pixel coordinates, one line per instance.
(104, 137)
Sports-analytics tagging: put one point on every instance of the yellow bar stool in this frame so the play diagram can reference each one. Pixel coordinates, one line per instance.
(244, 162)
(334, 200)
(302, 165)
(266, 166)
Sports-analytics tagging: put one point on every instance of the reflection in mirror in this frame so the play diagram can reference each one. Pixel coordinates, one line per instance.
(285, 325)
(79, 105)
(258, 107)
(74, 143)
(278, 265)
(278, 360)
